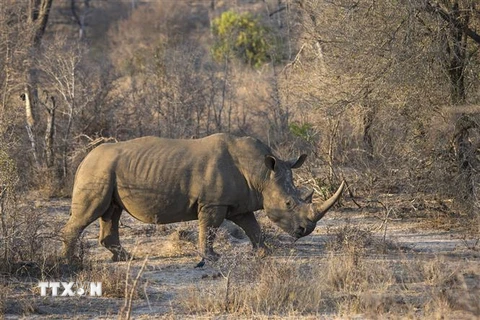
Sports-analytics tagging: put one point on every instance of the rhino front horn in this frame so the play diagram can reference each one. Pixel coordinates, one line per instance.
(320, 210)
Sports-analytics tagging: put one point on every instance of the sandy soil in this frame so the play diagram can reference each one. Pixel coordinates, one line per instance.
(399, 236)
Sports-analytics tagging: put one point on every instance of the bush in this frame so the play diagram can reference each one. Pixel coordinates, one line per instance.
(240, 35)
(8, 181)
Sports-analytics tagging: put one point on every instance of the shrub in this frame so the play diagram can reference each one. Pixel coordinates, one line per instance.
(8, 181)
(240, 35)
(305, 131)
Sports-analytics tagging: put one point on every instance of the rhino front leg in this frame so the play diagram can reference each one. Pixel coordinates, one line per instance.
(252, 229)
(209, 219)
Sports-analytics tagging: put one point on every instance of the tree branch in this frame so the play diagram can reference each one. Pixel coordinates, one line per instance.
(436, 9)
(277, 11)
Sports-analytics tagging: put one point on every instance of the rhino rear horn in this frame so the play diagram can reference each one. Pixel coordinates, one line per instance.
(307, 195)
(320, 210)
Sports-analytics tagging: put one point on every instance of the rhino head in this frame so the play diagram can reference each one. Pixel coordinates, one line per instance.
(292, 211)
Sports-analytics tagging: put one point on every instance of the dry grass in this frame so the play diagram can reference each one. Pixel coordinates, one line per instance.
(349, 281)
(21, 297)
(131, 290)
(180, 242)
(252, 286)
(439, 287)
(116, 278)
(31, 248)
(357, 272)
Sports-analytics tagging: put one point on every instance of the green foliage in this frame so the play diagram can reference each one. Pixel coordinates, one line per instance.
(240, 35)
(304, 131)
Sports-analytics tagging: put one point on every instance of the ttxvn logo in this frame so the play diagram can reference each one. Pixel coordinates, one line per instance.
(70, 289)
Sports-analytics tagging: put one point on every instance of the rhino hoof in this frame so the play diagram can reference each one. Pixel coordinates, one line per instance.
(122, 256)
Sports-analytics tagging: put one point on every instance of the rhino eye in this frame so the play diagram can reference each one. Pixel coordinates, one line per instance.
(288, 203)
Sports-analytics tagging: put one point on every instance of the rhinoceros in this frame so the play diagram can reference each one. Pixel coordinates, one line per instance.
(162, 181)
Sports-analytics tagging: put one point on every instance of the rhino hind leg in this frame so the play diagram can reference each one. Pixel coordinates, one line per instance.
(109, 235)
(86, 208)
(70, 236)
(72, 231)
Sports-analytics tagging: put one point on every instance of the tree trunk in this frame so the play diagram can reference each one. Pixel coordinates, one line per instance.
(49, 134)
(39, 11)
(30, 123)
(333, 125)
(368, 117)
(457, 55)
(38, 17)
(3, 194)
(457, 52)
(466, 161)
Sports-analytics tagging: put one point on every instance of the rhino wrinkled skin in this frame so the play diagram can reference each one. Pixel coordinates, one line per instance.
(163, 181)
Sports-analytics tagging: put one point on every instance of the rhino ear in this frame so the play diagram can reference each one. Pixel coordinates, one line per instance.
(298, 163)
(270, 162)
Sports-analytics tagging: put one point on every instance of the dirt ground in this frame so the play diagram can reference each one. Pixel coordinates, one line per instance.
(405, 237)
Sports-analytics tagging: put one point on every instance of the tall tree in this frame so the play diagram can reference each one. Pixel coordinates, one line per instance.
(459, 16)
(37, 18)
(460, 44)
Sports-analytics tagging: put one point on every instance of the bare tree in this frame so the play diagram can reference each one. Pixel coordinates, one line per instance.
(80, 16)
(460, 44)
(50, 107)
(37, 19)
(65, 72)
